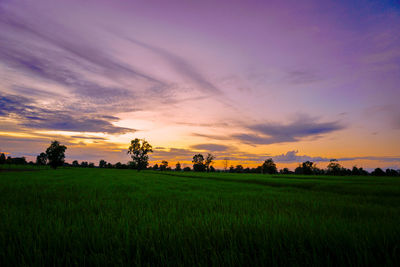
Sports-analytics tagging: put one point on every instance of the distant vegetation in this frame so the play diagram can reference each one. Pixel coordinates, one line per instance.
(139, 150)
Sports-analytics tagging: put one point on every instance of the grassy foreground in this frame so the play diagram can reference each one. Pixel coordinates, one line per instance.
(121, 217)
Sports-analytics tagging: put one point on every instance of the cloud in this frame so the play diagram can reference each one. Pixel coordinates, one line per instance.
(60, 37)
(301, 127)
(181, 65)
(210, 147)
(301, 77)
(31, 115)
(292, 156)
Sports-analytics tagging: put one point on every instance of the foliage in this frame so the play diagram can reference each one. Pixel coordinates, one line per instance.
(41, 159)
(269, 167)
(178, 167)
(56, 154)
(208, 161)
(2, 158)
(102, 163)
(164, 165)
(198, 163)
(139, 150)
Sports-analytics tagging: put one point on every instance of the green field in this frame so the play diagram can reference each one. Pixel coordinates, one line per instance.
(122, 217)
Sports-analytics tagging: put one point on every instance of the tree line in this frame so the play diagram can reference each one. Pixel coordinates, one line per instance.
(139, 149)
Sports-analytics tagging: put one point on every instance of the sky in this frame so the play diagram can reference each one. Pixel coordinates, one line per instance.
(243, 80)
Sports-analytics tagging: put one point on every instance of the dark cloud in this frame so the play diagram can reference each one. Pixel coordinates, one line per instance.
(31, 115)
(301, 127)
(210, 147)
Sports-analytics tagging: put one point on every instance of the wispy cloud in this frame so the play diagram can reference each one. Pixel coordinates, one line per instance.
(211, 147)
(293, 156)
(181, 65)
(30, 114)
(301, 127)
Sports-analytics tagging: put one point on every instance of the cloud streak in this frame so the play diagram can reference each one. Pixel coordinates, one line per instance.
(181, 66)
(30, 114)
(302, 127)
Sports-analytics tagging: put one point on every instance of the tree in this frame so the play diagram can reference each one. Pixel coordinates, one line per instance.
(41, 159)
(186, 169)
(269, 167)
(56, 154)
(155, 167)
(284, 171)
(178, 167)
(308, 167)
(2, 158)
(138, 150)
(91, 165)
(378, 172)
(231, 169)
(209, 161)
(75, 163)
(334, 168)
(198, 163)
(239, 169)
(84, 164)
(164, 165)
(102, 163)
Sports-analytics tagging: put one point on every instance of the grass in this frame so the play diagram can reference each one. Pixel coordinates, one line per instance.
(121, 217)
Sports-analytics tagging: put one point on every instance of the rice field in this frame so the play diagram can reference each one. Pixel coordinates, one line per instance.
(108, 217)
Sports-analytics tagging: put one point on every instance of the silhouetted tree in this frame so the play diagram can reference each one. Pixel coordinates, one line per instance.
(102, 163)
(56, 154)
(75, 163)
(2, 158)
(118, 165)
(391, 172)
(378, 172)
(231, 169)
(284, 171)
(178, 167)
(334, 168)
(212, 169)
(17, 161)
(198, 163)
(208, 162)
(41, 159)
(84, 164)
(308, 167)
(186, 169)
(355, 171)
(155, 167)
(239, 169)
(269, 167)
(91, 165)
(138, 150)
(163, 165)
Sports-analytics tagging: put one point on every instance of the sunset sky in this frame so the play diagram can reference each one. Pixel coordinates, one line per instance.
(247, 80)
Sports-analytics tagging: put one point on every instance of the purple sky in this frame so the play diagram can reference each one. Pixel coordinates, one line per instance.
(247, 80)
